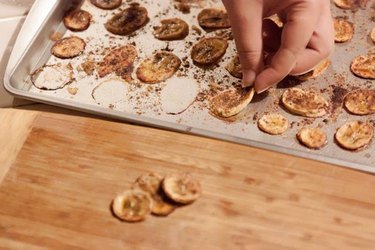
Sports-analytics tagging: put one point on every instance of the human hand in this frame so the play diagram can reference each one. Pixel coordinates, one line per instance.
(307, 38)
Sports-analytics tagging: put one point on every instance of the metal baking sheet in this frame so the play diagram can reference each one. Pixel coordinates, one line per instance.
(141, 103)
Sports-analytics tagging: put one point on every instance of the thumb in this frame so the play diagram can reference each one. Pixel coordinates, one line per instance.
(246, 20)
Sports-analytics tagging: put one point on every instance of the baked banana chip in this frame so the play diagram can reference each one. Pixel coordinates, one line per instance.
(68, 47)
(127, 21)
(306, 103)
(212, 19)
(159, 67)
(209, 51)
(77, 20)
(171, 29)
(354, 135)
(230, 102)
(119, 61)
(313, 138)
(234, 67)
(360, 102)
(182, 188)
(273, 123)
(52, 77)
(132, 205)
(317, 71)
(344, 30)
(151, 183)
(364, 66)
(107, 4)
(350, 4)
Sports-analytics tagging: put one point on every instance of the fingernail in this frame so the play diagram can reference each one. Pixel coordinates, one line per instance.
(248, 78)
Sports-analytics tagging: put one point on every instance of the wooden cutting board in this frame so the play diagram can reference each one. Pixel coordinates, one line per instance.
(58, 192)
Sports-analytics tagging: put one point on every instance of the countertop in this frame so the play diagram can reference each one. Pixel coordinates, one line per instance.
(252, 198)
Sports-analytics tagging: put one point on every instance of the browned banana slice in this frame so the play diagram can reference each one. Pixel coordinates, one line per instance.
(182, 188)
(273, 123)
(213, 19)
(77, 20)
(306, 103)
(68, 47)
(230, 102)
(209, 51)
(120, 61)
(171, 29)
(132, 205)
(354, 135)
(107, 4)
(372, 34)
(128, 20)
(317, 71)
(234, 67)
(151, 183)
(313, 138)
(159, 67)
(364, 66)
(344, 30)
(52, 77)
(360, 102)
(350, 4)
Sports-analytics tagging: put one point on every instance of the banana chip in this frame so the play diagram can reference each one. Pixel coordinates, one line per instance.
(132, 205)
(273, 123)
(360, 102)
(77, 20)
(230, 102)
(234, 67)
(317, 71)
(354, 135)
(344, 30)
(209, 51)
(182, 188)
(313, 138)
(364, 66)
(68, 47)
(107, 4)
(211, 19)
(306, 103)
(171, 29)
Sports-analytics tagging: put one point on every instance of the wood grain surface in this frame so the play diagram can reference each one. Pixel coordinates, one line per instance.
(58, 192)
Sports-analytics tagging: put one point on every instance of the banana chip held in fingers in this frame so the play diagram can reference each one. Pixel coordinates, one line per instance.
(354, 135)
(234, 67)
(230, 102)
(132, 205)
(317, 71)
(182, 188)
(360, 102)
(313, 138)
(273, 123)
(308, 103)
(159, 67)
(68, 47)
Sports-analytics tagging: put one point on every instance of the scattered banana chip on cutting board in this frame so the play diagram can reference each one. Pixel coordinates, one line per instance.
(273, 123)
(171, 29)
(182, 188)
(344, 30)
(68, 47)
(364, 66)
(212, 19)
(52, 77)
(317, 71)
(308, 103)
(178, 95)
(110, 92)
(107, 4)
(313, 138)
(77, 20)
(360, 102)
(230, 102)
(354, 135)
(158, 68)
(132, 205)
(209, 51)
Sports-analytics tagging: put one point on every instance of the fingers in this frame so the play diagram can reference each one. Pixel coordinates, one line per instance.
(246, 20)
(301, 20)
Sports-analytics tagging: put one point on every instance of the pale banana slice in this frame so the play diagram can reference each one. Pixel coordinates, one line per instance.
(182, 188)
(273, 123)
(360, 102)
(354, 135)
(344, 30)
(159, 67)
(230, 102)
(110, 92)
(313, 138)
(306, 103)
(151, 183)
(132, 205)
(317, 71)
(364, 66)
